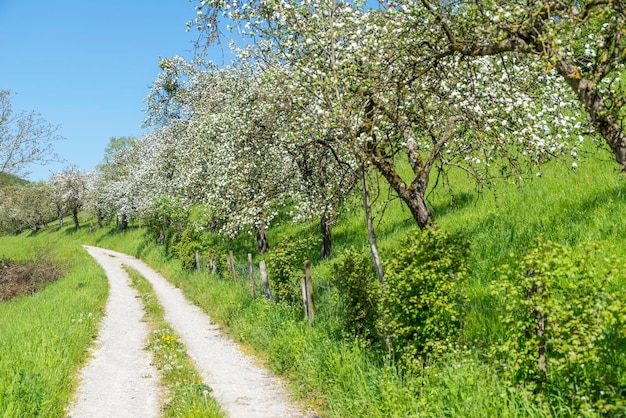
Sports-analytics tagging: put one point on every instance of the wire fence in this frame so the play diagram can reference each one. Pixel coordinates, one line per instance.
(472, 312)
(322, 284)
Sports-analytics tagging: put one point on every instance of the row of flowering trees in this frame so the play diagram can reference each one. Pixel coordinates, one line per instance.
(325, 93)
(34, 205)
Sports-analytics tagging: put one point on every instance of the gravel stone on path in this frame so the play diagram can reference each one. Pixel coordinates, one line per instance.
(119, 380)
(241, 387)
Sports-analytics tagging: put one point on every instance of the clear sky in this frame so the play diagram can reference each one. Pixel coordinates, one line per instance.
(88, 65)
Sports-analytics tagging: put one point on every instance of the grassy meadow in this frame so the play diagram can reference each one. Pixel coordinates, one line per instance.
(43, 336)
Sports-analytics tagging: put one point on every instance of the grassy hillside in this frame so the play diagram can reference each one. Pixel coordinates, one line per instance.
(10, 179)
(583, 210)
(44, 337)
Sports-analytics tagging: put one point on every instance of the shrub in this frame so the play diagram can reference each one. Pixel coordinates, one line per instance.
(166, 217)
(565, 330)
(18, 278)
(219, 259)
(358, 288)
(186, 248)
(286, 267)
(420, 301)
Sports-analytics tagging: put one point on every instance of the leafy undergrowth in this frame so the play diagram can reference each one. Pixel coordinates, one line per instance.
(341, 376)
(187, 395)
(27, 277)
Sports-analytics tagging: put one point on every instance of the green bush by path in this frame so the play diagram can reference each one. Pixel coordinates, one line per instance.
(340, 375)
(359, 290)
(285, 267)
(565, 329)
(422, 296)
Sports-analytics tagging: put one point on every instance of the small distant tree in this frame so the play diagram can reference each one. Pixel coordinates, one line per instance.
(26, 206)
(25, 138)
(71, 186)
(115, 196)
(116, 144)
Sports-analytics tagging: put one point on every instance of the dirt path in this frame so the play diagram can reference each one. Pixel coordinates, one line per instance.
(119, 380)
(120, 377)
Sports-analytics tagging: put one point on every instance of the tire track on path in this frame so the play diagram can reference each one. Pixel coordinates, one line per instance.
(242, 388)
(119, 380)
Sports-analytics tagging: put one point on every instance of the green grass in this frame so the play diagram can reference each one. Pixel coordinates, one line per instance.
(10, 180)
(187, 395)
(341, 377)
(44, 337)
(569, 207)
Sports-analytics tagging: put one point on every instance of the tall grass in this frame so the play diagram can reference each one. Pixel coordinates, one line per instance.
(44, 337)
(342, 377)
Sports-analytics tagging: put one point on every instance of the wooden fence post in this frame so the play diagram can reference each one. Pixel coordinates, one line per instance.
(266, 283)
(251, 274)
(231, 263)
(212, 264)
(198, 265)
(307, 292)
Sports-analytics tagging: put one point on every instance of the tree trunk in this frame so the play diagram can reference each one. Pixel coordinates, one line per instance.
(327, 239)
(263, 244)
(370, 230)
(166, 224)
(162, 235)
(413, 195)
(60, 214)
(587, 92)
(124, 223)
(325, 221)
(419, 209)
(75, 217)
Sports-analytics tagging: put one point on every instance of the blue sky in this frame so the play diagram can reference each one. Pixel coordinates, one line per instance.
(88, 65)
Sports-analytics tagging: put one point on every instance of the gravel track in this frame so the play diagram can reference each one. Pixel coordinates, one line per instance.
(119, 381)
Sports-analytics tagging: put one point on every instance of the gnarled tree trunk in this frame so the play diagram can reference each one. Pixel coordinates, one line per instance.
(587, 92)
(528, 38)
(263, 244)
(60, 215)
(327, 239)
(75, 217)
(414, 195)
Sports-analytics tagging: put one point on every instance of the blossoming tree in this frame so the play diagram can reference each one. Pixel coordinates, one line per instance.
(383, 94)
(583, 41)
